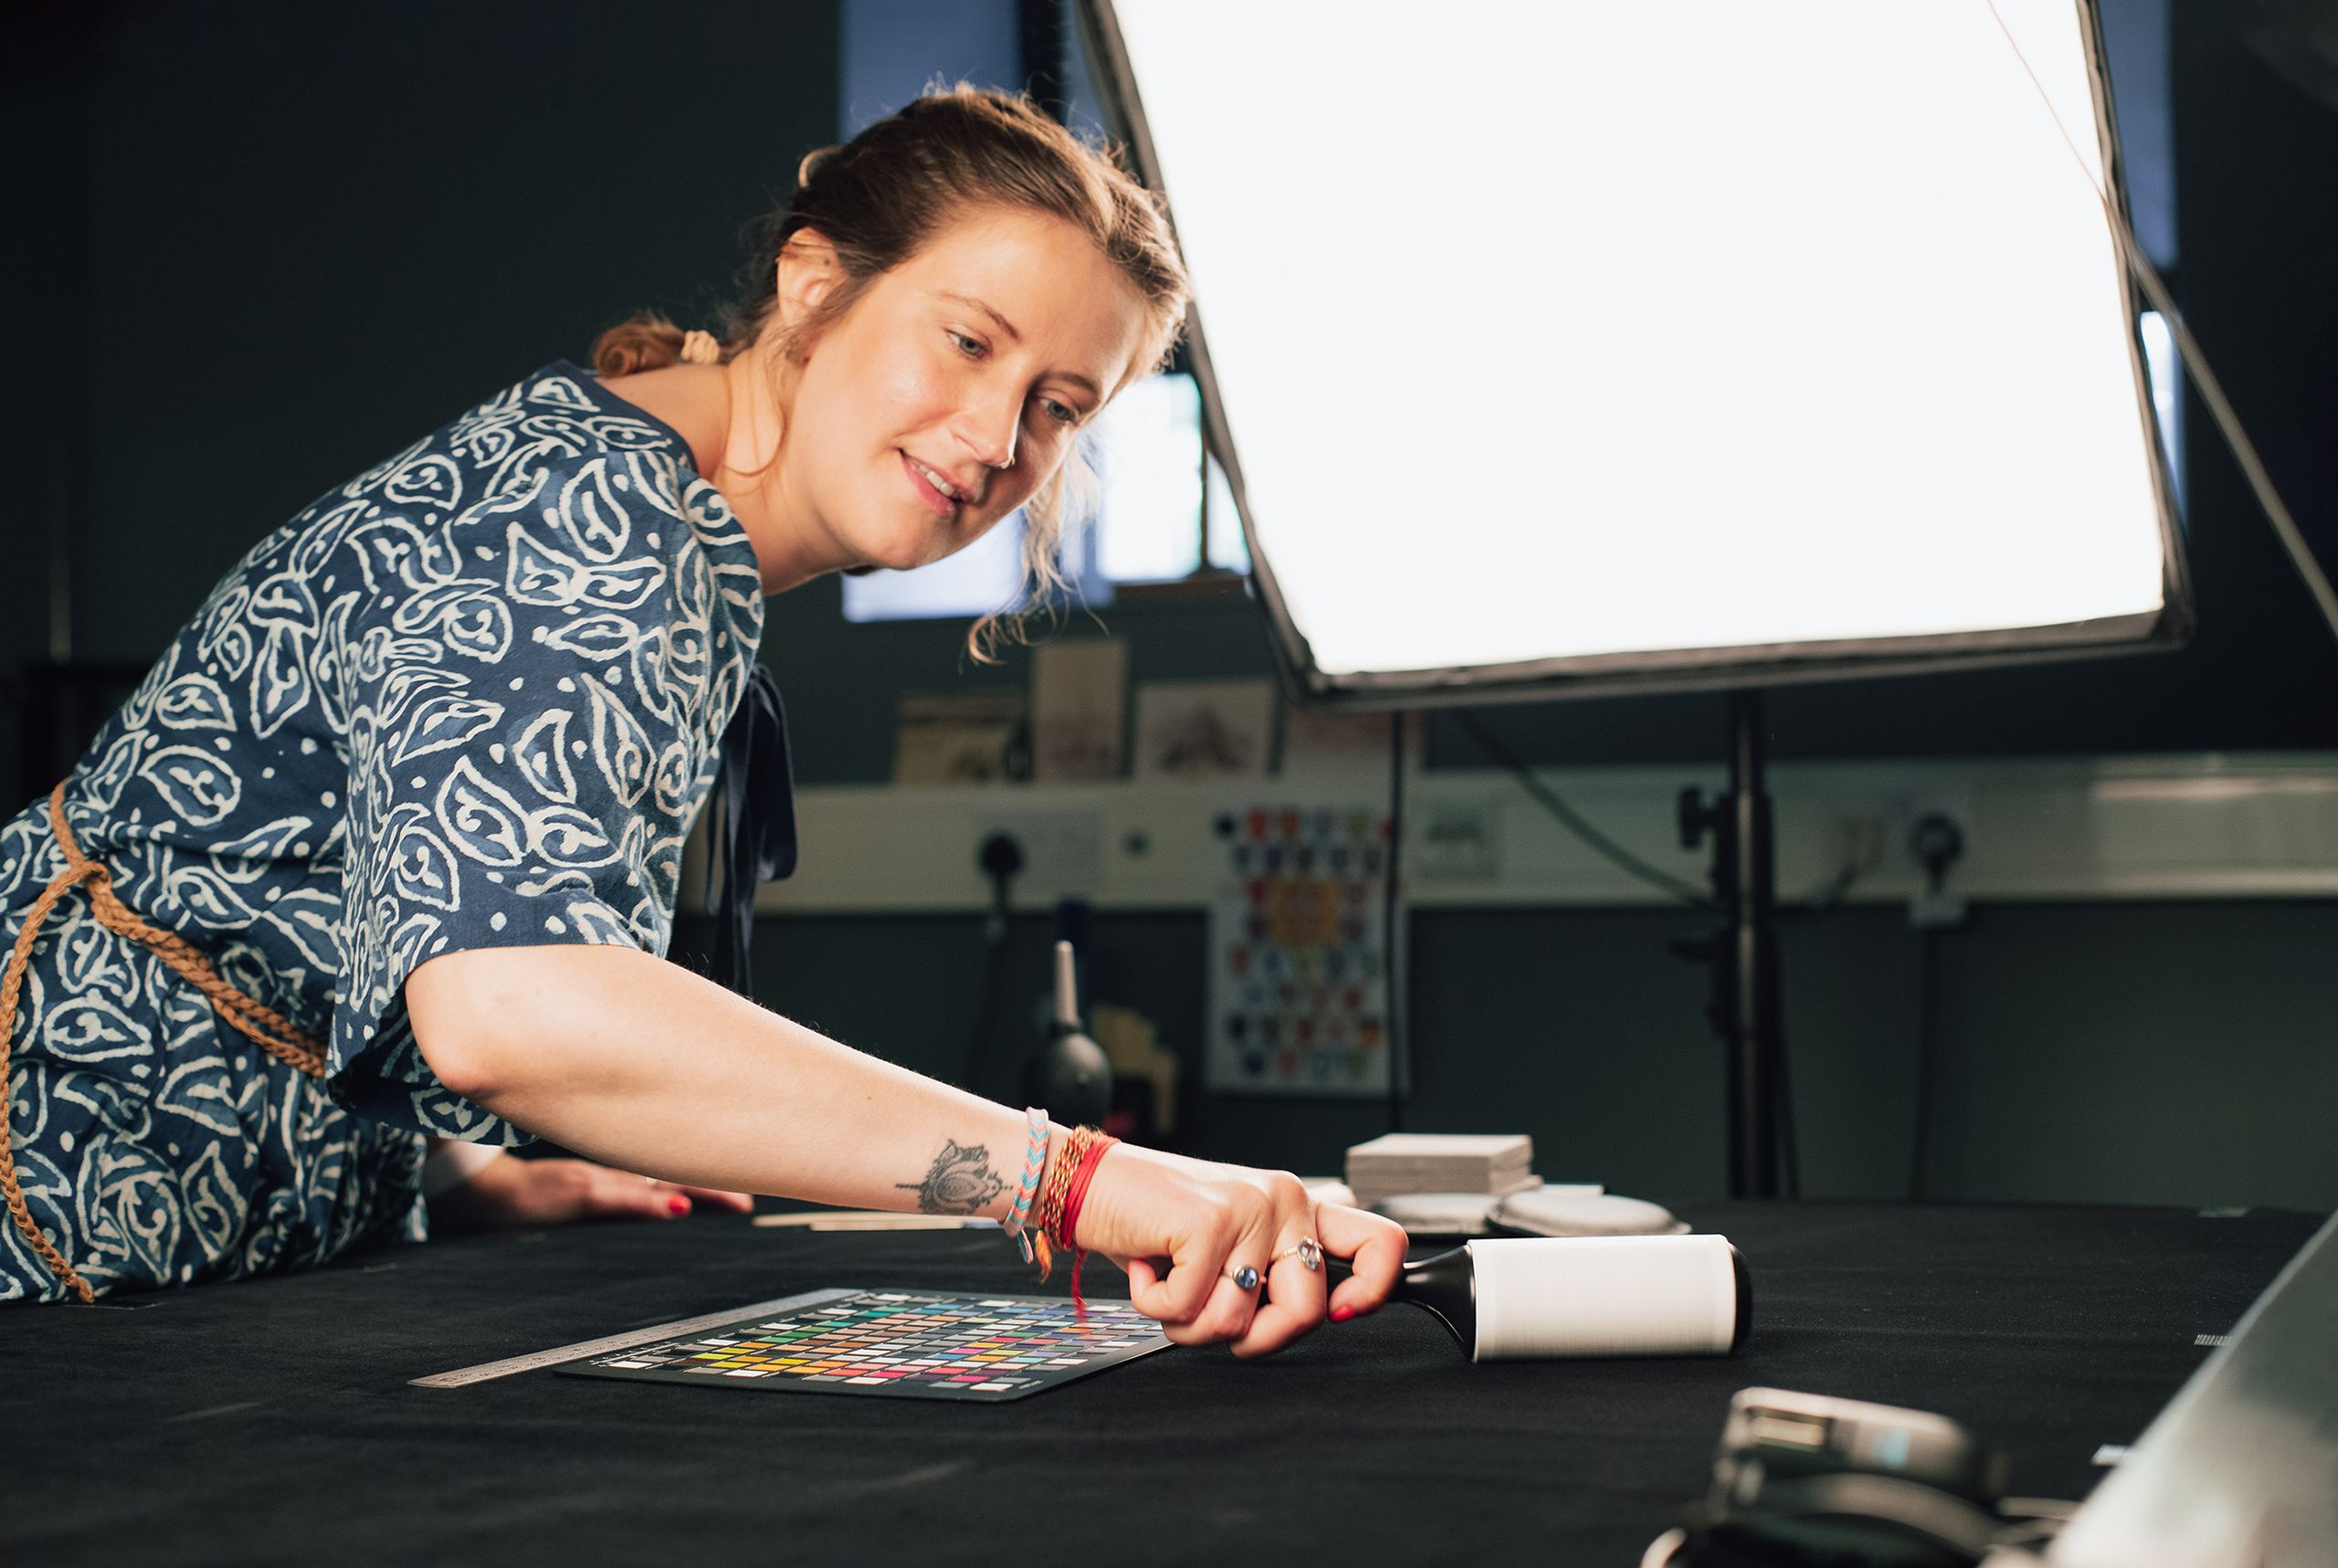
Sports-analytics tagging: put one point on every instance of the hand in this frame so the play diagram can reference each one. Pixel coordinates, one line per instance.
(1181, 1227)
(508, 1190)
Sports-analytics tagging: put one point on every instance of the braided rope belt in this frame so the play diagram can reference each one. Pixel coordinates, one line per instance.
(263, 1026)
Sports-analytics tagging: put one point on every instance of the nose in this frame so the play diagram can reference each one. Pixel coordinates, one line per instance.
(989, 424)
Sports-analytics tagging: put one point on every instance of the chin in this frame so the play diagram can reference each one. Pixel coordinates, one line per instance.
(903, 550)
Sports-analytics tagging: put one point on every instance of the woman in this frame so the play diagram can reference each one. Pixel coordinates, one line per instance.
(385, 848)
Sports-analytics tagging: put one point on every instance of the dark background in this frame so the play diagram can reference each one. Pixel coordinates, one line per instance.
(253, 249)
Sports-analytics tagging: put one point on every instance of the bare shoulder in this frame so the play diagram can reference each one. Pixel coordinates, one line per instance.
(689, 397)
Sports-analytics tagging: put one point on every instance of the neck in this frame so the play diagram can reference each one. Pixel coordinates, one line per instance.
(748, 451)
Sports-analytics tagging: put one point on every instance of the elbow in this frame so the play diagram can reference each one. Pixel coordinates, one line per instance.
(461, 1005)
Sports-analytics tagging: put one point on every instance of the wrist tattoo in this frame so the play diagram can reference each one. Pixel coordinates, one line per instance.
(961, 1181)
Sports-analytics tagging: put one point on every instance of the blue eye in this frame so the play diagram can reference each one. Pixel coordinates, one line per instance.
(967, 345)
(1058, 411)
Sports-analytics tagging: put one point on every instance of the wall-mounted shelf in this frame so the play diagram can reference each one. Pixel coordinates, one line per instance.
(2251, 826)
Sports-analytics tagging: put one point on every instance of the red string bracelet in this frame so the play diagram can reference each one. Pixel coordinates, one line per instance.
(1046, 1209)
(1068, 1232)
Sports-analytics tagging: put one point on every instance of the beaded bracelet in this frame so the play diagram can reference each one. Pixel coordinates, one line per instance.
(1035, 1160)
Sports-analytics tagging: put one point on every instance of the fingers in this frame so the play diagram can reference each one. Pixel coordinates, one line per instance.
(1179, 1297)
(1374, 1246)
(735, 1203)
(1288, 1300)
(1183, 1228)
(620, 1194)
(1196, 1302)
(600, 1192)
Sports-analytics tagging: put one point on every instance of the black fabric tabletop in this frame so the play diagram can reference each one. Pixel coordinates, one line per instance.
(273, 1422)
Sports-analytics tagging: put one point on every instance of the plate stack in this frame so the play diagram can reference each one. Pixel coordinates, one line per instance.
(1398, 1163)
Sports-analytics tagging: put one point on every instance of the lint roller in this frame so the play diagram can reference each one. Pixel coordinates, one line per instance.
(1585, 1296)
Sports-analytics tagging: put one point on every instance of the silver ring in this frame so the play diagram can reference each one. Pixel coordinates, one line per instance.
(1309, 1251)
(1247, 1277)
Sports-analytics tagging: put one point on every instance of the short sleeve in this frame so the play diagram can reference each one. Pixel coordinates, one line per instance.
(535, 688)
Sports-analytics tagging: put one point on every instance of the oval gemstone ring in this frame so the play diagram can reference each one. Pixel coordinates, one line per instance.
(1309, 1251)
(1246, 1278)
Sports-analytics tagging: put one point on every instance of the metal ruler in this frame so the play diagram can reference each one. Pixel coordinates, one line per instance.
(463, 1378)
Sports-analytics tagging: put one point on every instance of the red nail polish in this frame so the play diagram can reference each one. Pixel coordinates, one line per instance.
(1342, 1314)
(677, 1203)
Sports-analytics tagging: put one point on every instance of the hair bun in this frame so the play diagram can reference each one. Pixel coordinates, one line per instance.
(813, 162)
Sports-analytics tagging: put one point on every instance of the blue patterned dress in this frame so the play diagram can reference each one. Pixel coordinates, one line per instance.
(471, 698)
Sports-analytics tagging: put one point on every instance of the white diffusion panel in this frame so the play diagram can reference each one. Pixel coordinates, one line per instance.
(1564, 329)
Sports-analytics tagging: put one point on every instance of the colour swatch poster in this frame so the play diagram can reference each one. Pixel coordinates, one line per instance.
(1299, 950)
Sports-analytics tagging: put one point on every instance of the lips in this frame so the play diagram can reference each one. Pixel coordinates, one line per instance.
(937, 492)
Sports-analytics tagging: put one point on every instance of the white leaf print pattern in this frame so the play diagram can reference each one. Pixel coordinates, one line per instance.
(323, 797)
(310, 919)
(598, 926)
(468, 615)
(596, 637)
(197, 786)
(280, 679)
(101, 786)
(619, 748)
(540, 574)
(563, 835)
(250, 854)
(208, 899)
(195, 703)
(432, 481)
(542, 757)
(90, 1029)
(423, 869)
(592, 515)
(480, 818)
(443, 723)
(672, 785)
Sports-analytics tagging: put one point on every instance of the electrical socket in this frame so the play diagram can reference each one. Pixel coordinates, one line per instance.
(1457, 841)
(1063, 851)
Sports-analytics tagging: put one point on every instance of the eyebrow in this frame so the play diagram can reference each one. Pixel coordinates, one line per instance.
(1008, 328)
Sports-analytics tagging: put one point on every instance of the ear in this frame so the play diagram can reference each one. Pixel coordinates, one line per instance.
(808, 267)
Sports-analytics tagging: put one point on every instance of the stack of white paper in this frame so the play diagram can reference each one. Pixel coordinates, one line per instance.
(1399, 1162)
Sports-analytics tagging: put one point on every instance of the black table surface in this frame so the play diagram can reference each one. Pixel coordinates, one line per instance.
(274, 1422)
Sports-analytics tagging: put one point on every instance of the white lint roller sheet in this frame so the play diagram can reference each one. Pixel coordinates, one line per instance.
(1604, 1296)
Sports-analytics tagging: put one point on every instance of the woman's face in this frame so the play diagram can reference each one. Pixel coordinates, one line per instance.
(950, 390)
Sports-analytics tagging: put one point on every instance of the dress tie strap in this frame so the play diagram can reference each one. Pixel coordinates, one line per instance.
(750, 836)
(265, 1027)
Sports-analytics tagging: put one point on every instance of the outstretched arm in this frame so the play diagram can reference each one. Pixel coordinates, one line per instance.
(639, 1064)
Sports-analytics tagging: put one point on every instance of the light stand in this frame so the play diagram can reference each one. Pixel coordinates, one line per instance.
(1743, 953)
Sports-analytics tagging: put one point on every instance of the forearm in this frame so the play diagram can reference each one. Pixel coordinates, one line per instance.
(638, 1063)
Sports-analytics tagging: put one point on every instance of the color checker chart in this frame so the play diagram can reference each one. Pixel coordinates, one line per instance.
(900, 1344)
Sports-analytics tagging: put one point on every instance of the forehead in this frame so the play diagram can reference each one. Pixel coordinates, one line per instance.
(1072, 308)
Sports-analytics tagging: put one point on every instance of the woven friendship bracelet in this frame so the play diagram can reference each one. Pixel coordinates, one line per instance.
(1092, 1156)
(1035, 1160)
(1047, 1213)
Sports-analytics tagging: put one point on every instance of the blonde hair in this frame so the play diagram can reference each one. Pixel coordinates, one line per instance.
(890, 191)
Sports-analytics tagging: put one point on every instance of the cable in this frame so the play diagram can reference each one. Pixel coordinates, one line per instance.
(1938, 843)
(2188, 348)
(1927, 1002)
(1575, 823)
(1396, 1032)
(1789, 1150)
(1000, 857)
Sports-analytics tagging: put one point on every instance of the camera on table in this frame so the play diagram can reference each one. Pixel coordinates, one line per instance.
(1803, 1479)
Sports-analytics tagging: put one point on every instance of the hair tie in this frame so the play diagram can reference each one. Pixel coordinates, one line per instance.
(699, 348)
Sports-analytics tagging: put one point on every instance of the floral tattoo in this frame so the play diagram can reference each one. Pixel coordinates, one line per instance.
(961, 1182)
